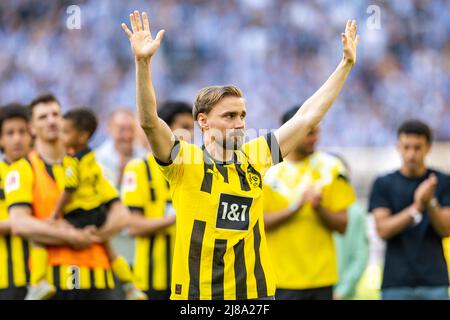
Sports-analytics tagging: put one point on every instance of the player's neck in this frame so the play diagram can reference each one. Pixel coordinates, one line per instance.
(10, 160)
(80, 148)
(413, 173)
(124, 152)
(297, 156)
(219, 153)
(52, 152)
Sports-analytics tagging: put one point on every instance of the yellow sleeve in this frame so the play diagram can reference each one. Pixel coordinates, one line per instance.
(108, 191)
(263, 152)
(446, 244)
(273, 201)
(338, 195)
(19, 184)
(71, 173)
(133, 192)
(182, 154)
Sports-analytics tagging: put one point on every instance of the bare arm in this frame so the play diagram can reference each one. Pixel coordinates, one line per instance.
(440, 219)
(335, 221)
(389, 225)
(140, 226)
(25, 225)
(5, 228)
(315, 108)
(275, 219)
(116, 220)
(439, 216)
(144, 47)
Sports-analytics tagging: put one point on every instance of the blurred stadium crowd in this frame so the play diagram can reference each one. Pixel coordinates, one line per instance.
(277, 51)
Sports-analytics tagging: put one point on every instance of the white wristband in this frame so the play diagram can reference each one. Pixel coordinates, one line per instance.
(416, 215)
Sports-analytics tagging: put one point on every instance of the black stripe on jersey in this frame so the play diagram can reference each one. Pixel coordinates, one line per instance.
(173, 154)
(92, 278)
(150, 261)
(207, 177)
(223, 171)
(49, 169)
(26, 257)
(274, 148)
(136, 209)
(195, 253)
(242, 178)
(149, 178)
(168, 260)
(80, 154)
(9, 254)
(20, 204)
(147, 170)
(56, 276)
(259, 271)
(218, 269)
(343, 177)
(152, 194)
(240, 271)
(2, 194)
(105, 278)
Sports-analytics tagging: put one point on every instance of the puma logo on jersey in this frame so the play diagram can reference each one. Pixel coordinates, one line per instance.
(233, 212)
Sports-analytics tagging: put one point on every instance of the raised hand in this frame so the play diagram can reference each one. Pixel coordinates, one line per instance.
(142, 43)
(425, 192)
(350, 42)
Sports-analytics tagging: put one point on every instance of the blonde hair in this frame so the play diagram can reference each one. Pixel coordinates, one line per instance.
(208, 97)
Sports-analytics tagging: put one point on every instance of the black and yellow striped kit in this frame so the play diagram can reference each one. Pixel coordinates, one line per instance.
(144, 189)
(220, 248)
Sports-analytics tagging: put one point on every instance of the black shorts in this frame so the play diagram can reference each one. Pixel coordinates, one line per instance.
(158, 294)
(17, 293)
(324, 293)
(84, 294)
(82, 218)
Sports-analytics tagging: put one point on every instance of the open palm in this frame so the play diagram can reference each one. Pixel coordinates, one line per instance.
(142, 43)
(350, 41)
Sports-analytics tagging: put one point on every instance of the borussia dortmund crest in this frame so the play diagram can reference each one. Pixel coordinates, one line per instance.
(254, 179)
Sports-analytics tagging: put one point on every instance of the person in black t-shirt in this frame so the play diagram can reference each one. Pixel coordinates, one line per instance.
(411, 207)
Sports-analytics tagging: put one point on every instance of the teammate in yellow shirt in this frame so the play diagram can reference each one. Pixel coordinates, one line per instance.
(146, 193)
(78, 265)
(15, 142)
(315, 195)
(86, 198)
(220, 247)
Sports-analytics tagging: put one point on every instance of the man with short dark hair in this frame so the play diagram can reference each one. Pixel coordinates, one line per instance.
(79, 266)
(306, 198)
(15, 142)
(411, 207)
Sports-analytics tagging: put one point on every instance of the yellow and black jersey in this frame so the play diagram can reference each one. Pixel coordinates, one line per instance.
(21, 181)
(70, 277)
(220, 248)
(13, 250)
(145, 189)
(34, 183)
(446, 246)
(299, 261)
(84, 177)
